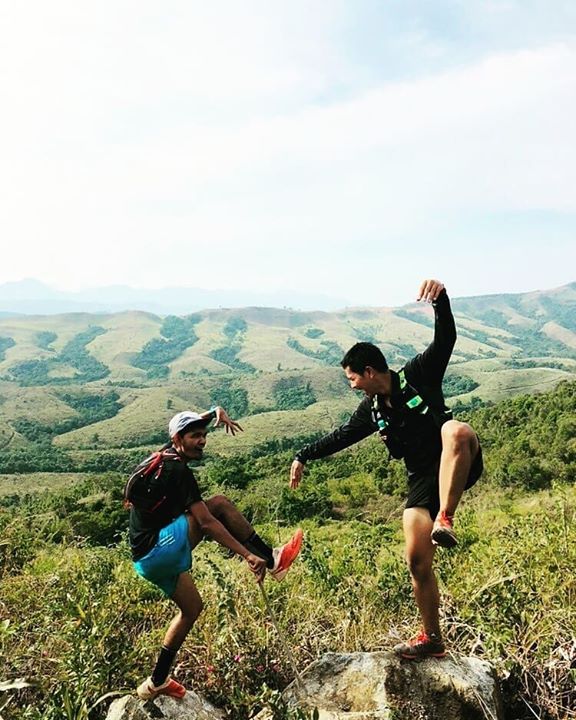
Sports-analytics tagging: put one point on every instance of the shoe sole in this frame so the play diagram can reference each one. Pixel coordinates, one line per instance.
(422, 657)
(154, 695)
(161, 694)
(443, 539)
(280, 575)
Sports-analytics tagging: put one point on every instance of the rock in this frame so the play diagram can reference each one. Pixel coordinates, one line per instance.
(191, 707)
(379, 686)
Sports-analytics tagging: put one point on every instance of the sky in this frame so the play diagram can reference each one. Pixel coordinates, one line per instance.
(347, 149)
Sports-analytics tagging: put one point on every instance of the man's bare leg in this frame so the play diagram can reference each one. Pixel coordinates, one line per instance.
(459, 448)
(230, 517)
(189, 604)
(419, 556)
(236, 524)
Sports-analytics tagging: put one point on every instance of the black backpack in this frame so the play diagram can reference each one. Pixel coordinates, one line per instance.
(140, 492)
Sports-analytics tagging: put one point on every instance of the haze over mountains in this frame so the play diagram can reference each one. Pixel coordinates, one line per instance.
(33, 297)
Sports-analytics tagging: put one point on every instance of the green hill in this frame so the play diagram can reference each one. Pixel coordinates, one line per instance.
(277, 370)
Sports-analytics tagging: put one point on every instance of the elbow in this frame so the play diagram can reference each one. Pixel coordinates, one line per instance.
(206, 524)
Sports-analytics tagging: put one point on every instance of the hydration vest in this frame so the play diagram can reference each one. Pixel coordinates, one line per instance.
(413, 402)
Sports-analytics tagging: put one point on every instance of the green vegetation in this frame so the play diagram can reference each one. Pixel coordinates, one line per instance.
(564, 313)
(5, 343)
(536, 343)
(178, 334)
(457, 385)
(415, 316)
(73, 355)
(77, 622)
(45, 338)
(233, 399)
(75, 618)
(480, 336)
(91, 408)
(235, 326)
(32, 372)
(367, 333)
(228, 356)
(293, 393)
(330, 353)
(314, 333)
(234, 330)
(400, 353)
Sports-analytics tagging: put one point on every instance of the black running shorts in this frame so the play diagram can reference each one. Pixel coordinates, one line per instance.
(423, 489)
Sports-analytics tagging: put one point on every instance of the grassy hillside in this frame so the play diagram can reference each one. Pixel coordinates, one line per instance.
(254, 360)
(78, 623)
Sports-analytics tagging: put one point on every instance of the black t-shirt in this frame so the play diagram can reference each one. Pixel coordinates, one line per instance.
(179, 489)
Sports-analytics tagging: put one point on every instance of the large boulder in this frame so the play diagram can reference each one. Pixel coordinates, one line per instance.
(359, 686)
(379, 686)
(191, 707)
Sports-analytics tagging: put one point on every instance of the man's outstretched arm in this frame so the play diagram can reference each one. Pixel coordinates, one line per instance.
(357, 428)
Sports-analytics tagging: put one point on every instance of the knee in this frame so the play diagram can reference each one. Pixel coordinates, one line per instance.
(218, 504)
(190, 614)
(420, 567)
(457, 435)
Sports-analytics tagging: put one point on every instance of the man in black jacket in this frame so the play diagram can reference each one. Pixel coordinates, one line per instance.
(442, 456)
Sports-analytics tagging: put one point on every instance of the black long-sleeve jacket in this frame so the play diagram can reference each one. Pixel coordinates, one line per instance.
(410, 435)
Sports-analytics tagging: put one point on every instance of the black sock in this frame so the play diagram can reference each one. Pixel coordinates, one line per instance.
(163, 665)
(257, 546)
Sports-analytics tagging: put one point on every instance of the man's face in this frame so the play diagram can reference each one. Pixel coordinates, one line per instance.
(191, 444)
(361, 381)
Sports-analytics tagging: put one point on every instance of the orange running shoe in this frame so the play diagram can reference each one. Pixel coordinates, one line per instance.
(284, 556)
(420, 647)
(443, 531)
(148, 691)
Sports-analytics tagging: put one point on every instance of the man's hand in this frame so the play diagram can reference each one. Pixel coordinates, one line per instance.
(429, 290)
(257, 566)
(296, 474)
(222, 418)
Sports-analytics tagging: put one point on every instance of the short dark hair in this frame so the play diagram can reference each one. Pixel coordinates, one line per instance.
(363, 355)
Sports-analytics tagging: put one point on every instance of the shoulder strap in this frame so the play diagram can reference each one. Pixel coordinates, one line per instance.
(410, 397)
(152, 465)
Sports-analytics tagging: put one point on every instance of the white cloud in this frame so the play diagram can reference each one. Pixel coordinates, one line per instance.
(130, 136)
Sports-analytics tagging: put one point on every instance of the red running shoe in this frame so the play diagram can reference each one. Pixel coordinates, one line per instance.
(443, 532)
(284, 556)
(420, 647)
(148, 691)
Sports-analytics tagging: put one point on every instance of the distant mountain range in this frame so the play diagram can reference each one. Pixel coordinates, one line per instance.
(32, 297)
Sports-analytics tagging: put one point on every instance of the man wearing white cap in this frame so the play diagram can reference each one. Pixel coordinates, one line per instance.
(168, 518)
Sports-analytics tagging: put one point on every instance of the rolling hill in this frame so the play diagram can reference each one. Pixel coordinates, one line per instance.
(96, 381)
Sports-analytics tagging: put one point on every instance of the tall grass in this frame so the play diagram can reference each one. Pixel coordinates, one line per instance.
(77, 623)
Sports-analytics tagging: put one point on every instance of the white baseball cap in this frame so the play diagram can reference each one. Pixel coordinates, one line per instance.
(182, 419)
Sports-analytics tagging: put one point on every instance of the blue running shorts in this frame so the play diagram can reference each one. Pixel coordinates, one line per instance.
(168, 558)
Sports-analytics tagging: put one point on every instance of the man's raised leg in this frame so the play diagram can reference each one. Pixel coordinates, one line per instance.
(459, 448)
(278, 560)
